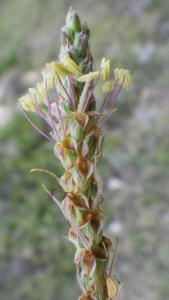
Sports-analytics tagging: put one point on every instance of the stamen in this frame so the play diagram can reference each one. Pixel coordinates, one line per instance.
(84, 93)
(72, 98)
(40, 113)
(112, 106)
(64, 89)
(106, 101)
(91, 92)
(49, 107)
(60, 118)
(37, 127)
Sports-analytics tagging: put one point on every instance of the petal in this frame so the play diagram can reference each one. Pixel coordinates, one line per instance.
(105, 71)
(107, 244)
(108, 86)
(66, 207)
(85, 167)
(37, 94)
(82, 119)
(80, 200)
(83, 218)
(79, 255)
(97, 222)
(60, 69)
(99, 253)
(111, 287)
(90, 76)
(71, 65)
(70, 144)
(89, 264)
(73, 236)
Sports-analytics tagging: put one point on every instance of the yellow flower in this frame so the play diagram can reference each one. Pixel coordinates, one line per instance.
(35, 93)
(107, 86)
(71, 65)
(28, 103)
(51, 77)
(42, 89)
(60, 69)
(90, 76)
(123, 76)
(105, 66)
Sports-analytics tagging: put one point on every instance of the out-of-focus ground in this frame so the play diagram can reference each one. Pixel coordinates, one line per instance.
(36, 262)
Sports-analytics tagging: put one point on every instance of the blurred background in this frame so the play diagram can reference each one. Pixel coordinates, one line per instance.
(36, 261)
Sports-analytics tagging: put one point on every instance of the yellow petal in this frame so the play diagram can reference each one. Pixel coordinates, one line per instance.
(123, 76)
(42, 89)
(51, 77)
(90, 76)
(111, 287)
(35, 93)
(107, 86)
(28, 103)
(71, 65)
(105, 66)
(24, 104)
(60, 69)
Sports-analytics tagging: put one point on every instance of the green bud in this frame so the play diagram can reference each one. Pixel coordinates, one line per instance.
(81, 43)
(73, 21)
(86, 68)
(66, 36)
(86, 30)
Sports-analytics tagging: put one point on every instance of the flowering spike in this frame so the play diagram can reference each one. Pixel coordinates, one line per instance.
(76, 131)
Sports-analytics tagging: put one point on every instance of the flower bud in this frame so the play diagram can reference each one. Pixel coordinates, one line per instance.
(90, 76)
(108, 86)
(66, 36)
(28, 103)
(86, 30)
(73, 21)
(51, 78)
(60, 69)
(71, 65)
(81, 43)
(36, 94)
(123, 76)
(105, 66)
